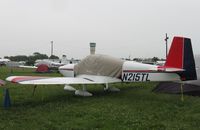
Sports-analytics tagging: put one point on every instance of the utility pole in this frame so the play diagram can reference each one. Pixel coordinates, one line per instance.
(166, 41)
(51, 48)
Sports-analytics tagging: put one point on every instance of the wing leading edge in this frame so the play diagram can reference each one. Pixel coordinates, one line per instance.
(82, 79)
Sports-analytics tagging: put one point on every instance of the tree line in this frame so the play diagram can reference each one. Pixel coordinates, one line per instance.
(30, 60)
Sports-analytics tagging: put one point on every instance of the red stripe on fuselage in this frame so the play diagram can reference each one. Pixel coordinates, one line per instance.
(20, 79)
(138, 71)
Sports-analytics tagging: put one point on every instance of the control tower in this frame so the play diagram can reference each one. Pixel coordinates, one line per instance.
(92, 48)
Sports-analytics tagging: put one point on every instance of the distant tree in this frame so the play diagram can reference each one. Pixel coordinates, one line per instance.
(6, 57)
(36, 55)
(30, 60)
(17, 58)
(155, 59)
(137, 59)
(53, 57)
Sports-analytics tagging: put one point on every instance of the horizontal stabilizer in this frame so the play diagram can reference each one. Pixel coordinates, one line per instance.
(170, 69)
(181, 57)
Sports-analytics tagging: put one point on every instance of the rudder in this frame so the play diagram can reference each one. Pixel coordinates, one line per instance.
(181, 56)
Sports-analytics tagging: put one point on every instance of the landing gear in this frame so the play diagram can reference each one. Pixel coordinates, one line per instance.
(111, 89)
(83, 92)
(69, 88)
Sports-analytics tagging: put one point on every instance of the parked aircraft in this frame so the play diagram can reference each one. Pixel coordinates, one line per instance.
(47, 62)
(101, 69)
(4, 61)
(50, 63)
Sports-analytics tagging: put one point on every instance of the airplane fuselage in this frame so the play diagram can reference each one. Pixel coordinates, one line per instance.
(132, 72)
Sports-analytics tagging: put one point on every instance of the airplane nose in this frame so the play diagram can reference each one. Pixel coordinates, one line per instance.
(59, 68)
(67, 70)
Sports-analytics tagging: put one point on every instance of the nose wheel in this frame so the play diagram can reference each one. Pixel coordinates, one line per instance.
(69, 88)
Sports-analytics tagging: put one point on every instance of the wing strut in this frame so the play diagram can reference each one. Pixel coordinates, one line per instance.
(83, 92)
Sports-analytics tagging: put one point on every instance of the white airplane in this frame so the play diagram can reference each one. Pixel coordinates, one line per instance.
(101, 69)
(46, 62)
(4, 61)
(49, 63)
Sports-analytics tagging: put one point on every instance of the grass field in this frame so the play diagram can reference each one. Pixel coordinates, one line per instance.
(134, 107)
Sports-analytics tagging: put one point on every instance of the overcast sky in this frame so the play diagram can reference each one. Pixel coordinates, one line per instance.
(121, 28)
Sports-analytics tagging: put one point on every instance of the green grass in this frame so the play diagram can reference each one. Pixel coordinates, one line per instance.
(134, 107)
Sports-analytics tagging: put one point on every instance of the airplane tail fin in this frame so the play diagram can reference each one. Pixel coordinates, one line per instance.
(181, 57)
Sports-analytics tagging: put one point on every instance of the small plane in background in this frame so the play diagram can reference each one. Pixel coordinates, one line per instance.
(101, 69)
(51, 63)
(47, 62)
(4, 61)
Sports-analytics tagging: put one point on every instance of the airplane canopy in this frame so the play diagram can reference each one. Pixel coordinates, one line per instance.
(102, 65)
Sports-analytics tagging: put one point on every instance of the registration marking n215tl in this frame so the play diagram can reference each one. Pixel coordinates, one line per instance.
(135, 77)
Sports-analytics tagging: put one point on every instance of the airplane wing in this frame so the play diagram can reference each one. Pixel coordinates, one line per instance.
(30, 67)
(82, 79)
